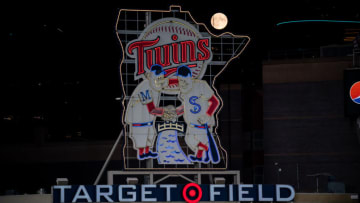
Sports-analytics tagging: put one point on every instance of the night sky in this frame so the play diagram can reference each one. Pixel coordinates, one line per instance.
(59, 70)
(60, 61)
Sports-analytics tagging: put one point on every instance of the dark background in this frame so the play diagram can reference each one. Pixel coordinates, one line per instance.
(60, 60)
(59, 80)
(351, 76)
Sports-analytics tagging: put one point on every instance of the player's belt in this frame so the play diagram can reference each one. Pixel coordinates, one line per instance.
(142, 124)
(199, 126)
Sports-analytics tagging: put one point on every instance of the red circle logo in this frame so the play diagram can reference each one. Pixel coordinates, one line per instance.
(174, 37)
(355, 92)
(192, 193)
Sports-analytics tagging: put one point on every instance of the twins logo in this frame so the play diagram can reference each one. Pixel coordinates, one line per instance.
(170, 42)
(355, 92)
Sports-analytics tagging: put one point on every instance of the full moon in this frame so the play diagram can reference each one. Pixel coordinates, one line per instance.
(219, 21)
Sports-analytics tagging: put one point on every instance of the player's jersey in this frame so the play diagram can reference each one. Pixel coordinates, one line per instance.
(137, 111)
(196, 102)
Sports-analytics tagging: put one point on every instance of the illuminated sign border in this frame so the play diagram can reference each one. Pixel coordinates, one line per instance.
(178, 8)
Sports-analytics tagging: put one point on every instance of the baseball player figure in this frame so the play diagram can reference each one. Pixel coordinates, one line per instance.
(198, 107)
(142, 110)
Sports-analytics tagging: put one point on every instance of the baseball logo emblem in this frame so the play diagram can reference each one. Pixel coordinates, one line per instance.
(192, 193)
(355, 92)
(171, 43)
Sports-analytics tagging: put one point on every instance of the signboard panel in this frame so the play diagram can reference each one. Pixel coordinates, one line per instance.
(191, 193)
(169, 67)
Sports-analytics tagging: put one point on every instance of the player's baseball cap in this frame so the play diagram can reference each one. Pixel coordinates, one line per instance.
(183, 71)
(157, 69)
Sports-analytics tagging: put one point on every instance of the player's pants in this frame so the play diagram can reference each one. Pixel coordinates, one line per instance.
(194, 135)
(142, 134)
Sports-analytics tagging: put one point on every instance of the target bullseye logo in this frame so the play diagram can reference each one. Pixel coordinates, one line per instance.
(192, 193)
(355, 92)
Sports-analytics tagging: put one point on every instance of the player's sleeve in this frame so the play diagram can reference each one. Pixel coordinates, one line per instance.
(157, 111)
(209, 95)
(214, 104)
(180, 110)
(146, 98)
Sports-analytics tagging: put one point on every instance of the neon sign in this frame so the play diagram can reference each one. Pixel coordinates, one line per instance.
(168, 73)
(169, 42)
(191, 193)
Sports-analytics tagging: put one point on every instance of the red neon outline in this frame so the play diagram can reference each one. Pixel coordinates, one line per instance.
(175, 51)
(206, 53)
(203, 146)
(161, 54)
(166, 56)
(154, 110)
(170, 71)
(150, 106)
(214, 104)
(141, 151)
(149, 58)
(174, 37)
(184, 46)
(180, 110)
(173, 81)
(140, 45)
(202, 45)
(199, 153)
(192, 185)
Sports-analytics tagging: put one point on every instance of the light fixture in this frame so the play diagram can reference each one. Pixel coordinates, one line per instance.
(132, 181)
(62, 181)
(219, 180)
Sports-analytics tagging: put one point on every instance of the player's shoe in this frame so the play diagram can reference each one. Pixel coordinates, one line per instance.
(193, 158)
(142, 156)
(207, 157)
(151, 154)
